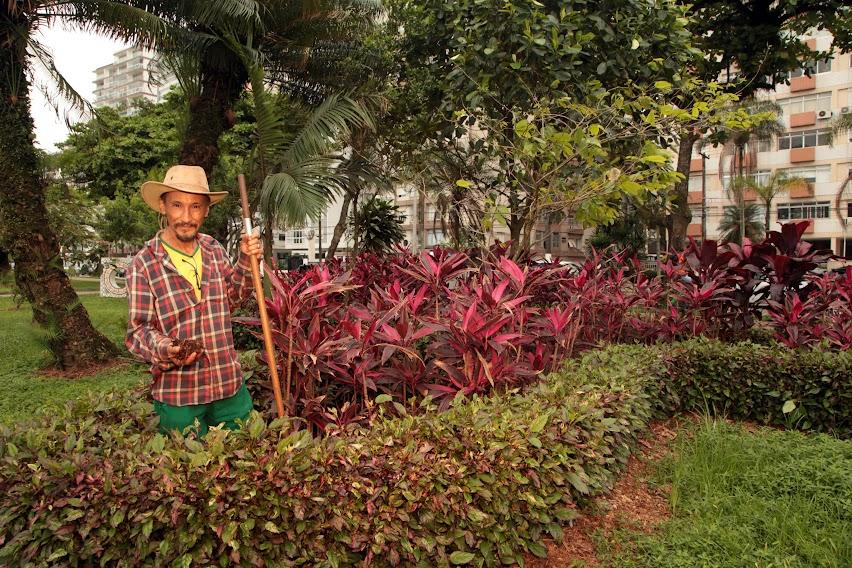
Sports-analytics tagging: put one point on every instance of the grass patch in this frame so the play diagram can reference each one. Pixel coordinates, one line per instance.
(23, 352)
(769, 498)
(80, 284)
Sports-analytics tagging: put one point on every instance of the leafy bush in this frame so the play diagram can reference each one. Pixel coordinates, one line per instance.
(479, 483)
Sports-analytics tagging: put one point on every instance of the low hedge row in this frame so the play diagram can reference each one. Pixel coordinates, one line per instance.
(478, 484)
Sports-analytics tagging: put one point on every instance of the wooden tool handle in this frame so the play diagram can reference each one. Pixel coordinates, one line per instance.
(261, 303)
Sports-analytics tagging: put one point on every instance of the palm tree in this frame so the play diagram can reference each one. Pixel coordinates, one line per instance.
(747, 123)
(731, 228)
(24, 228)
(298, 172)
(777, 182)
(304, 43)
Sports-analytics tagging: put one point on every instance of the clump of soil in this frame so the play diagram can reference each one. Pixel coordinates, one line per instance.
(187, 347)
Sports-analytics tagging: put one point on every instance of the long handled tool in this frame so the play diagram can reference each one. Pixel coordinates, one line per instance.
(261, 303)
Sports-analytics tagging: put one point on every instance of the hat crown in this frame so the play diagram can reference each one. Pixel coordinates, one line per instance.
(187, 175)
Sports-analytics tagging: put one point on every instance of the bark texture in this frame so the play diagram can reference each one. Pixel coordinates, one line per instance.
(681, 215)
(212, 112)
(25, 234)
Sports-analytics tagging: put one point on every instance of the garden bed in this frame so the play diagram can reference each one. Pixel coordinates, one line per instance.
(481, 483)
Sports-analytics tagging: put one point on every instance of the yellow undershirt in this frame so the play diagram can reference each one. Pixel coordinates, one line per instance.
(189, 266)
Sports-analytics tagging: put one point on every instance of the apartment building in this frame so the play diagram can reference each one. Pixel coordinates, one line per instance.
(809, 105)
(423, 228)
(134, 74)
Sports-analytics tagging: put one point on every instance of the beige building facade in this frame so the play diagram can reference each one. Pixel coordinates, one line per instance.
(809, 105)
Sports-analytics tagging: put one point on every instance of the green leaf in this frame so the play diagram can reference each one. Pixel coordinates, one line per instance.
(383, 398)
(538, 550)
(634, 44)
(788, 407)
(578, 483)
(539, 423)
(463, 183)
(663, 85)
(459, 557)
(601, 67)
(271, 527)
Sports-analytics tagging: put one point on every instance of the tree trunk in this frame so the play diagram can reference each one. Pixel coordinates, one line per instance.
(4, 262)
(25, 234)
(211, 113)
(340, 227)
(766, 221)
(681, 215)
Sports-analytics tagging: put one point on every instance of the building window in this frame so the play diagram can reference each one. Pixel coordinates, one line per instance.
(849, 209)
(804, 139)
(806, 210)
(282, 237)
(812, 174)
(759, 177)
(695, 182)
(554, 238)
(434, 237)
(806, 103)
(764, 145)
(298, 237)
(815, 68)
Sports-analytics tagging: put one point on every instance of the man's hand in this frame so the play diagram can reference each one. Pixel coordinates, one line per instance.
(174, 351)
(250, 245)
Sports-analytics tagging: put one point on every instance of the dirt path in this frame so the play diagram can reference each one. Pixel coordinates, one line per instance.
(632, 503)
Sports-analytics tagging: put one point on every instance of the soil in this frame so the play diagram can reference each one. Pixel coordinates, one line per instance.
(631, 503)
(77, 373)
(187, 348)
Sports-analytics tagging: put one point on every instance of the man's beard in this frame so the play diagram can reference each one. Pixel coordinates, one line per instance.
(184, 238)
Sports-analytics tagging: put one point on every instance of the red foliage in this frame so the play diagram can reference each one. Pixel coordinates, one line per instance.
(444, 323)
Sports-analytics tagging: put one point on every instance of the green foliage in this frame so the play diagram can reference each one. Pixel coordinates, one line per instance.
(480, 482)
(127, 219)
(745, 498)
(72, 217)
(733, 218)
(113, 154)
(378, 225)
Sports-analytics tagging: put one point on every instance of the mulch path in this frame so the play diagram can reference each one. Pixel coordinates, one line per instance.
(631, 503)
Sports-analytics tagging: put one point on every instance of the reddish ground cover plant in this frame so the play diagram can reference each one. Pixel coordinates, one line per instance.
(406, 328)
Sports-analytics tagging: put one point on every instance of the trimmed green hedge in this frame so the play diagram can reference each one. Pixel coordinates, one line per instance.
(478, 484)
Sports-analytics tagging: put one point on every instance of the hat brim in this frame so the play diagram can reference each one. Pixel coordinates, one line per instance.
(152, 190)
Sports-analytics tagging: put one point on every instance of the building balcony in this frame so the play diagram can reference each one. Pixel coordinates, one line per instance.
(799, 155)
(803, 83)
(693, 230)
(803, 119)
(802, 190)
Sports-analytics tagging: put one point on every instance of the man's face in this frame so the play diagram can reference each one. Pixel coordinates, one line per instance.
(185, 212)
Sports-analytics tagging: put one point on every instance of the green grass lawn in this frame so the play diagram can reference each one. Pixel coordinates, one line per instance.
(742, 499)
(81, 284)
(23, 353)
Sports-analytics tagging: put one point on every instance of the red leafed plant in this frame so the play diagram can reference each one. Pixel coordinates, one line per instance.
(445, 323)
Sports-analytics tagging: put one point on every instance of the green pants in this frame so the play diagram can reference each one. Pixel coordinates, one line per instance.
(224, 412)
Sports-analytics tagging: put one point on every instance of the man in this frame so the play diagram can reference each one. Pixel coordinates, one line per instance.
(182, 287)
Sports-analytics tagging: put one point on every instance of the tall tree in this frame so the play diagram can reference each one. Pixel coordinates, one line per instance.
(488, 65)
(24, 224)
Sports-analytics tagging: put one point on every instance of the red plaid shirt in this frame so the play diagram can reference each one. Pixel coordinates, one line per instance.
(163, 307)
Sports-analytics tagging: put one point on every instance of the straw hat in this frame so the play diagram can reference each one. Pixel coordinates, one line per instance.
(189, 179)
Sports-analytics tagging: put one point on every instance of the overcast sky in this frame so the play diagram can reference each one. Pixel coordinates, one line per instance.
(77, 55)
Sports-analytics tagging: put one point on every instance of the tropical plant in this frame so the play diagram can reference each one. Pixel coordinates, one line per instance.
(777, 182)
(739, 222)
(377, 225)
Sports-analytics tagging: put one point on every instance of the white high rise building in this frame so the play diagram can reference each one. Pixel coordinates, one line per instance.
(134, 74)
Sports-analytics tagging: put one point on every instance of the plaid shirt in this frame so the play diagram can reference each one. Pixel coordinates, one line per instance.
(163, 307)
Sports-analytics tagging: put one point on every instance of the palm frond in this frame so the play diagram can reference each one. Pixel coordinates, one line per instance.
(300, 192)
(64, 89)
(331, 121)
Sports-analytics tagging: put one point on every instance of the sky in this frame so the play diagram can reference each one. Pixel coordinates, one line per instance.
(77, 55)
